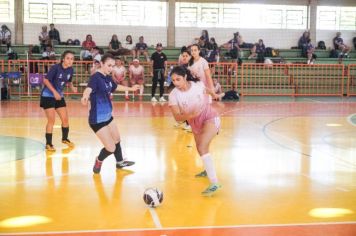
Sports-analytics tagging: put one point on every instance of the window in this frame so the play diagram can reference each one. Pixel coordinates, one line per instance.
(336, 18)
(108, 12)
(240, 15)
(38, 12)
(61, 13)
(6, 10)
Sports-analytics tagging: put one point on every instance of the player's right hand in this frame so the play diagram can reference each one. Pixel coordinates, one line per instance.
(57, 96)
(84, 100)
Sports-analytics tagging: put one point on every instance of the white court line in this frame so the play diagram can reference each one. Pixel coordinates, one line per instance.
(33, 179)
(349, 119)
(155, 218)
(343, 189)
(324, 184)
(188, 228)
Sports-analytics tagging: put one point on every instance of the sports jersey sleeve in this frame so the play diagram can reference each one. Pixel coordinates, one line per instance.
(172, 99)
(52, 73)
(93, 83)
(205, 64)
(114, 85)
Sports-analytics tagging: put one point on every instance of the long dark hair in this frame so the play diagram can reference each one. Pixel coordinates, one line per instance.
(106, 57)
(183, 71)
(64, 54)
(191, 61)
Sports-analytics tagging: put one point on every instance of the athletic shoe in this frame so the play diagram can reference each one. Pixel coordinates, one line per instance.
(187, 128)
(153, 99)
(201, 174)
(97, 166)
(68, 142)
(161, 99)
(211, 189)
(124, 163)
(50, 148)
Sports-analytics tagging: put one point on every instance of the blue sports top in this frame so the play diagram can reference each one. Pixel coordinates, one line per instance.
(58, 77)
(100, 104)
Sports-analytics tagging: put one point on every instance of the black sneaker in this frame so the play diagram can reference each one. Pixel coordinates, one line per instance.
(97, 166)
(124, 163)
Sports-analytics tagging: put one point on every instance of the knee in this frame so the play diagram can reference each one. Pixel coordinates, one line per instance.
(202, 149)
(110, 148)
(65, 122)
(51, 121)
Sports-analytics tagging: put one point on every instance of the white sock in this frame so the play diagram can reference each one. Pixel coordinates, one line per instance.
(209, 167)
(126, 93)
(141, 90)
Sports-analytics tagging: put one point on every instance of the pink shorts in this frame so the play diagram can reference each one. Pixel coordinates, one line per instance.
(207, 115)
(119, 79)
(136, 80)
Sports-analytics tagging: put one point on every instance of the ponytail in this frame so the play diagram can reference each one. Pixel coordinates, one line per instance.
(183, 71)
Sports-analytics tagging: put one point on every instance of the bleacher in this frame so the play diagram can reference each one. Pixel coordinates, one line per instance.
(291, 78)
(289, 55)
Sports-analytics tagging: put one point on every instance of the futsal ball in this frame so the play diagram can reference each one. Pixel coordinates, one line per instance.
(153, 197)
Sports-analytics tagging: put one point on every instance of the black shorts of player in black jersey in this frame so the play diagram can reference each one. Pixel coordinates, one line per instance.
(49, 102)
(96, 127)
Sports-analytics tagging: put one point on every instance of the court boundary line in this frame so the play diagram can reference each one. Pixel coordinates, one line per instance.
(187, 228)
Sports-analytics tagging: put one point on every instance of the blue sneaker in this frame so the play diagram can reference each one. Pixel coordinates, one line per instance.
(201, 174)
(211, 189)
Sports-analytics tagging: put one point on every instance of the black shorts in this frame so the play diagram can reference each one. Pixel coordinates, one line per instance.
(49, 102)
(96, 127)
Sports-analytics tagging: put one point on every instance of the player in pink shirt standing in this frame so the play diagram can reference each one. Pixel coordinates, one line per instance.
(136, 75)
(189, 101)
(199, 68)
(119, 74)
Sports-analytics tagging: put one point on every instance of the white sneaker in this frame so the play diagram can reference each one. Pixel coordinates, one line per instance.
(153, 99)
(187, 128)
(161, 99)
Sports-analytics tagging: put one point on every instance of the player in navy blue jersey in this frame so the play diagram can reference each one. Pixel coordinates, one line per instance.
(52, 99)
(98, 92)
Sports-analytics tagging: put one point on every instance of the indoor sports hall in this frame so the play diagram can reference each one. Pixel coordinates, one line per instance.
(285, 152)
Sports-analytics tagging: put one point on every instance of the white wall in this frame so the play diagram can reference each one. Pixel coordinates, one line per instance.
(101, 33)
(328, 35)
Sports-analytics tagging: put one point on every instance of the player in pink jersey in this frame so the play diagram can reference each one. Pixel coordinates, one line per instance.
(189, 101)
(136, 75)
(119, 74)
(199, 68)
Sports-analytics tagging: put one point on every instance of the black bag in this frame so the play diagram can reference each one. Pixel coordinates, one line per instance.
(321, 45)
(334, 54)
(36, 49)
(12, 56)
(231, 96)
(268, 52)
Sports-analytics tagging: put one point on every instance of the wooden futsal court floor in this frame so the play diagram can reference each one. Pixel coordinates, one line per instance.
(287, 166)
